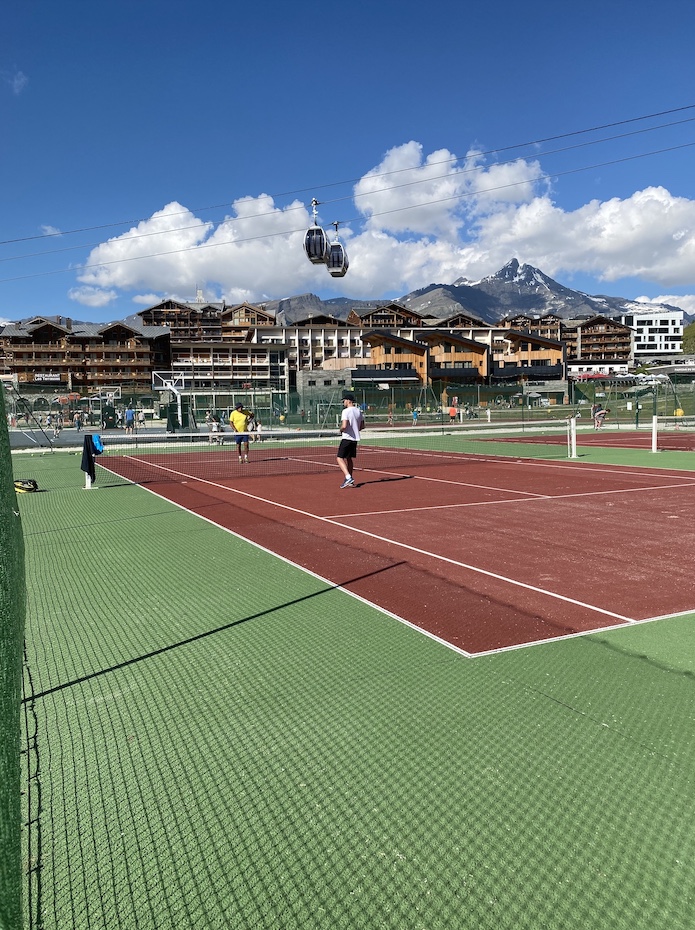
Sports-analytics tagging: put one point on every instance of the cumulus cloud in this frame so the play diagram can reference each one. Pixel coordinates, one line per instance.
(684, 302)
(424, 218)
(434, 196)
(92, 296)
(50, 231)
(147, 300)
(257, 248)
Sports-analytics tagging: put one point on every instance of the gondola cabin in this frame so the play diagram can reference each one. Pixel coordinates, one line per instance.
(337, 260)
(316, 245)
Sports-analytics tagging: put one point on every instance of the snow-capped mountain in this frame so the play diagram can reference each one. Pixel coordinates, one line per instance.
(513, 289)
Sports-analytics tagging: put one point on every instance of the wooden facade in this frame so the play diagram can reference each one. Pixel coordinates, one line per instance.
(598, 340)
(521, 355)
(223, 346)
(57, 354)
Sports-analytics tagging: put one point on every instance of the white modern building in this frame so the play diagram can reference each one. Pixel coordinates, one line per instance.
(658, 332)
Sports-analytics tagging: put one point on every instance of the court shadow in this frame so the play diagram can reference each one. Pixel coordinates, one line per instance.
(358, 484)
(205, 634)
(597, 640)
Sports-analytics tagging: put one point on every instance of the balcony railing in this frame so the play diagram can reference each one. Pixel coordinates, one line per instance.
(457, 374)
(536, 372)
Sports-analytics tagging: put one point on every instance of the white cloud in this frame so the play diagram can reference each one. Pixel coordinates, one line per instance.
(50, 231)
(147, 300)
(684, 302)
(461, 217)
(92, 296)
(17, 81)
(650, 235)
(434, 196)
(257, 249)
(517, 181)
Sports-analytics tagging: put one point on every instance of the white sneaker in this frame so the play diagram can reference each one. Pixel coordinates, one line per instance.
(348, 483)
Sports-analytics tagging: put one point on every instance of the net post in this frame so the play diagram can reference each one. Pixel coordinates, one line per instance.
(655, 434)
(572, 438)
(87, 482)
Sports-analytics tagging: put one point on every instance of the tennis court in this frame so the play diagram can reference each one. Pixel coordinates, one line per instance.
(435, 539)
(224, 726)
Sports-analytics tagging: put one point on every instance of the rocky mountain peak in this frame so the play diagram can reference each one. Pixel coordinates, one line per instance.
(516, 288)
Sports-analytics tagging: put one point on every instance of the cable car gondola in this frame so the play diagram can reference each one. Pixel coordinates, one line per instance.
(316, 243)
(337, 262)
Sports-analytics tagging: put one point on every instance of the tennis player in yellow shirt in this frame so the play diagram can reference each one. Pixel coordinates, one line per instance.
(239, 421)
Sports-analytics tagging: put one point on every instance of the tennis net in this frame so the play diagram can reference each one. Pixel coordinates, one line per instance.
(215, 457)
(673, 433)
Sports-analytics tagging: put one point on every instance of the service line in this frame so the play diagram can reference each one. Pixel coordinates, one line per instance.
(392, 542)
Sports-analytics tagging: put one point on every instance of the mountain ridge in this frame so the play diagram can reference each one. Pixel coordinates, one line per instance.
(515, 288)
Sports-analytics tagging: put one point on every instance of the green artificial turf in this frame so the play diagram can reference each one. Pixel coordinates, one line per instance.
(226, 741)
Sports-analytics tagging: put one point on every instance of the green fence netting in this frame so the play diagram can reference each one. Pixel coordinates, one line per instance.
(12, 605)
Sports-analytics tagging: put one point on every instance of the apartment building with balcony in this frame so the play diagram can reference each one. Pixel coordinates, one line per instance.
(433, 355)
(658, 335)
(549, 325)
(229, 348)
(518, 355)
(599, 344)
(229, 367)
(57, 354)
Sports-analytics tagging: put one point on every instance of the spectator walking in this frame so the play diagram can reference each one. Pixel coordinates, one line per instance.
(129, 421)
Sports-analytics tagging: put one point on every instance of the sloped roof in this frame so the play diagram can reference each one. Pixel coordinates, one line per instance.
(519, 335)
(599, 318)
(79, 329)
(430, 336)
(392, 307)
(376, 336)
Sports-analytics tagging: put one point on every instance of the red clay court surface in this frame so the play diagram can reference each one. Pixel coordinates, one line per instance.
(484, 554)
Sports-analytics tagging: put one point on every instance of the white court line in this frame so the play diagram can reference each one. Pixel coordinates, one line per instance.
(570, 465)
(400, 545)
(332, 585)
(520, 500)
(462, 484)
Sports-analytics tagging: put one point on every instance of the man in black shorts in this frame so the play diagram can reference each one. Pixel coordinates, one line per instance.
(350, 427)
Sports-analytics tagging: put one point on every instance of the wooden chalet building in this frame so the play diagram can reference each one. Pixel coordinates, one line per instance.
(58, 354)
(524, 356)
(434, 355)
(549, 325)
(598, 343)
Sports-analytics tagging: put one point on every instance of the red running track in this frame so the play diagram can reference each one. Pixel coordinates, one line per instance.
(484, 555)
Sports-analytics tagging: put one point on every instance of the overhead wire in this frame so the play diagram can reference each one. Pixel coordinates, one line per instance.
(409, 207)
(353, 196)
(482, 154)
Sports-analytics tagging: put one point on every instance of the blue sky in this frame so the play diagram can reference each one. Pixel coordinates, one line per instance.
(149, 149)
